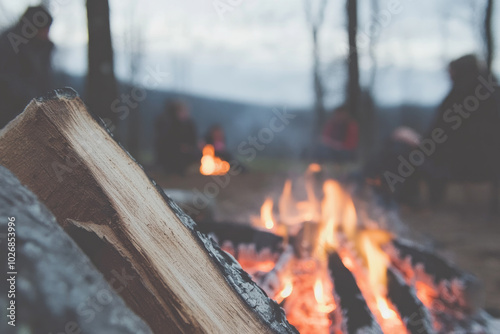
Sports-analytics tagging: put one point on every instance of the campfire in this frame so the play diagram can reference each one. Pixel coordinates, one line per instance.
(314, 250)
(337, 273)
(211, 164)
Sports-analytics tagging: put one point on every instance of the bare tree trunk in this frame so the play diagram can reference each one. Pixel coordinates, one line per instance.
(315, 21)
(353, 90)
(101, 87)
(368, 116)
(488, 34)
(319, 104)
(374, 4)
(353, 93)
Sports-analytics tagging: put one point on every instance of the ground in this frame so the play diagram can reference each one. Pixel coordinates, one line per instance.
(462, 229)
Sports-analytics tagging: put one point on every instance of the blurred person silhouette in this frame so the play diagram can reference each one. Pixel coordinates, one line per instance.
(399, 144)
(469, 118)
(216, 137)
(339, 138)
(469, 115)
(176, 138)
(25, 62)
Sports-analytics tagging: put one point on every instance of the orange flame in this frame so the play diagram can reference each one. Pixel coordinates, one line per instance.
(286, 204)
(287, 290)
(385, 310)
(324, 305)
(377, 261)
(325, 220)
(349, 219)
(212, 165)
(330, 216)
(266, 213)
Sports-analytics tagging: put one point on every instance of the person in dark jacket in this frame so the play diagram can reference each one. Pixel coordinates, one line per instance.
(469, 115)
(176, 138)
(25, 62)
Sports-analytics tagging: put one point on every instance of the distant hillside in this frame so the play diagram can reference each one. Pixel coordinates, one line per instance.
(242, 120)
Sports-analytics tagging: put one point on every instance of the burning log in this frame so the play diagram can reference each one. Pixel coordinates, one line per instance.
(274, 280)
(414, 314)
(239, 234)
(185, 284)
(357, 316)
(439, 281)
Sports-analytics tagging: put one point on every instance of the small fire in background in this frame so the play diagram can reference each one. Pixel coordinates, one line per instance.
(211, 164)
(320, 228)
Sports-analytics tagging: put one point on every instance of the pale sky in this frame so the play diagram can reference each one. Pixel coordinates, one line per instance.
(259, 51)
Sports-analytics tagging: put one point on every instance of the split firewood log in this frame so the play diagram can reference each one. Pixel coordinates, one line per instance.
(121, 219)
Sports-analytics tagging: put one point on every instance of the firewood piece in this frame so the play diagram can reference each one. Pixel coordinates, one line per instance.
(414, 314)
(188, 285)
(272, 281)
(456, 289)
(242, 234)
(435, 265)
(357, 316)
(58, 290)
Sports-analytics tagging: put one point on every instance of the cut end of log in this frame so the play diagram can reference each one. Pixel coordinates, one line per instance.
(58, 94)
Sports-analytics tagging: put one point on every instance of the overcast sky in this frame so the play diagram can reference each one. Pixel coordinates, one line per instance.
(260, 50)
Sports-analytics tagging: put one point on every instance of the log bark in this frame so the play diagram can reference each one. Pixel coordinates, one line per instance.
(57, 289)
(414, 314)
(456, 289)
(186, 284)
(357, 316)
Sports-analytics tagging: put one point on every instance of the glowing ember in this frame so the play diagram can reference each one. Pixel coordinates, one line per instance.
(425, 293)
(257, 266)
(212, 165)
